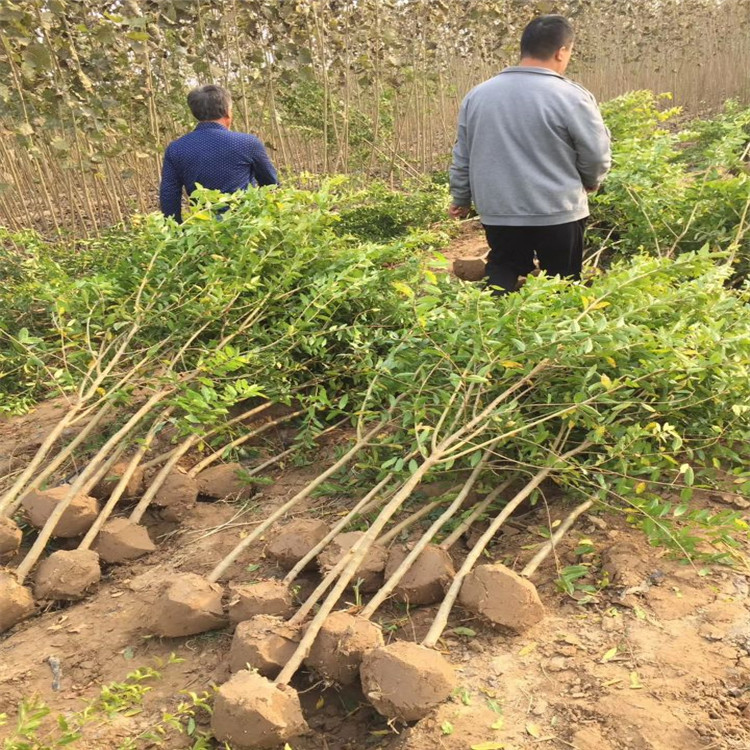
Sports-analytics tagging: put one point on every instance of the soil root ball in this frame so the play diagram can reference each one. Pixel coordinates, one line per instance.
(369, 573)
(264, 643)
(294, 540)
(340, 645)
(225, 481)
(77, 518)
(16, 602)
(502, 596)
(261, 598)
(252, 713)
(404, 680)
(121, 540)
(105, 487)
(10, 537)
(176, 496)
(469, 269)
(66, 575)
(189, 605)
(426, 580)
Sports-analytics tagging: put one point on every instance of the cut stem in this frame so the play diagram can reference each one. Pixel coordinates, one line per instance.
(544, 551)
(476, 512)
(60, 458)
(425, 539)
(216, 455)
(158, 481)
(363, 506)
(122, 484)
(441, 618)
(220, 569)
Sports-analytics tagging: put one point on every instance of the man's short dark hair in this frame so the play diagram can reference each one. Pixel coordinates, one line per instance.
(209, 102)
(545, 35)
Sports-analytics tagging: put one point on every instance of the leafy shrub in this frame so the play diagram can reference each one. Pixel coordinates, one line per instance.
(379, 213)
(270, 291)
(720, 142)
(674, 191)
(649, 365)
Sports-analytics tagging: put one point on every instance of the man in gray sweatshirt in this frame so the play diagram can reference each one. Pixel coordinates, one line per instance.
(531, 144)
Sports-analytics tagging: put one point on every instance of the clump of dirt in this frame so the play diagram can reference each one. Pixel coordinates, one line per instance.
(502, 596)
(426, 580)
(106, 486)
(265, 643)
(339, 647)
(405, 681)
(294, 540)
(77, 518)
(370, 572)
(10, 537)
(16, 602)
(469, 269)
(189, 605)
(260, 598)
(225, 482)
(459, 727)
(176, 496)
(66, 575)
(251, 712)
(622, 564)
(121, 540)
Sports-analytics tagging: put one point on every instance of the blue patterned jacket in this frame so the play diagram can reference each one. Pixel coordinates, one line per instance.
(215, 158)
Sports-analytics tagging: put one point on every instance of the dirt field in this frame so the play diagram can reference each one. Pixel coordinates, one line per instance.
(656, 658)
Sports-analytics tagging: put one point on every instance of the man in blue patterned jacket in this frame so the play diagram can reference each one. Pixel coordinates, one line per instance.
(212, 155)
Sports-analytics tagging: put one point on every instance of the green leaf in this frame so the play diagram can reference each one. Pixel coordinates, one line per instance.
(468, 632)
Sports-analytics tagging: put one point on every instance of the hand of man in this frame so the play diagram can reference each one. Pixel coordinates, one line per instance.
(592, 189)
(458, 212)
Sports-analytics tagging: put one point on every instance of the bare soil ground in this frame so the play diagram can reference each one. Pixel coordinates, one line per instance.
(469, 242)
(657, 659)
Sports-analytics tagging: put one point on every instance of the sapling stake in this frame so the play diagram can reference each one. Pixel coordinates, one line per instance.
(158, 481)
(94, 468)
(425, 539)
(412, 518)
(545, 550)
(441, 618)
(476, 512)
(122, 484)
(216, 455)
(221, 568)
(59, 459)
(350, 562)
(364, 505)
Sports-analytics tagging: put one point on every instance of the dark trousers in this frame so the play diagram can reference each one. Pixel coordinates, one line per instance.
(558, 248)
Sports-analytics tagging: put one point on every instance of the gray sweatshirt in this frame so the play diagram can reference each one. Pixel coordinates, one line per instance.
(529, 144)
